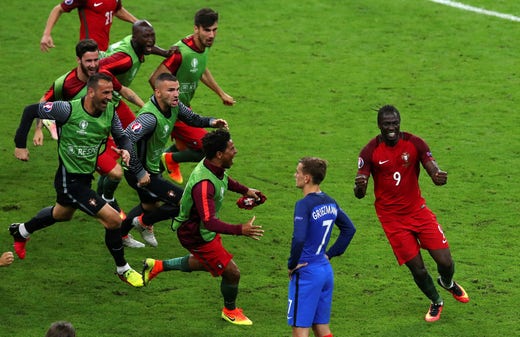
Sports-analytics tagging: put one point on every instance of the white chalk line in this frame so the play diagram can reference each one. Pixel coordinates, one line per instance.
(477, 10)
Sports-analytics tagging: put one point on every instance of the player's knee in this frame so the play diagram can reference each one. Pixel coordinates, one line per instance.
(113, 222)
(232, 273)
(419, 273)
(116, 173)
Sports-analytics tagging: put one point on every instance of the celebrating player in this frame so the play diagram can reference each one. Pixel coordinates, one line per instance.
(198, 226)
(84, 126)
(188, 64)
(393, 158)
(150, 132)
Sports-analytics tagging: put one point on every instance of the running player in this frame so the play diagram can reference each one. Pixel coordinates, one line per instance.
(393, 159)
(188, 64)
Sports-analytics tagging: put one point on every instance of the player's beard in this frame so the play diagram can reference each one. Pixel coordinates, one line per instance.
(88, 72)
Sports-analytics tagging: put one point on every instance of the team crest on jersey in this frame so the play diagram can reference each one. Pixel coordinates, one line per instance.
(47, 107)
(92, 202)
(171, 194)
(360, 162)
(405, 156)
(69, 2)
(137, 127)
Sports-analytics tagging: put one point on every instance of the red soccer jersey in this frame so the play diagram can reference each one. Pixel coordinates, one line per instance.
(117, 64)
(174, 62)
(72, 86)
(395, 170)
(95, 17)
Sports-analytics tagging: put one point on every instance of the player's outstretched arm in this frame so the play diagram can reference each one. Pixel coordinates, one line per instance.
(46, 42)
(125, 15)
(209, 81)
(252, 231)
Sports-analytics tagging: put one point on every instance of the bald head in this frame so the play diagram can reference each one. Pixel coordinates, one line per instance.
(143, 37)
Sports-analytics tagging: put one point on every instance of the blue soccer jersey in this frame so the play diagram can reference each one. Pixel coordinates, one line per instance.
(310, 287)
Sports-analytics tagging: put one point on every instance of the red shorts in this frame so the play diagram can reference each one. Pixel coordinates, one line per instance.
(125, 114)
(213, 256)
(407, 234)
(107, 160)
(188, 136)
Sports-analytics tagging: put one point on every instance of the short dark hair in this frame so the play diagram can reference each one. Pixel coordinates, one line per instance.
(93, 80)
(215, 141)
(61, 329)
(205, 17)
(314, 166)
(165, 77)
(387, 109)
(85, 46)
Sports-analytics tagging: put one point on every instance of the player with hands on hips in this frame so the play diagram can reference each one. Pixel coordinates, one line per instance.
(311, 278)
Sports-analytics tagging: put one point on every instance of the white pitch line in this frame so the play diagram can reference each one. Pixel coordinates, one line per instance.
(477, 10)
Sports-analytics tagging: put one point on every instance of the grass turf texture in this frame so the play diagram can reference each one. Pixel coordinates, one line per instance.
(307, 76)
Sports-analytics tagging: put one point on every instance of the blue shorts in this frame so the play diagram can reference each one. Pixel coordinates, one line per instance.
(310, 296)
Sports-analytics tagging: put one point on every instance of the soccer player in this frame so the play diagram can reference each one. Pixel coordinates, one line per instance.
(393, 159)
(198, 226)
(84, 125)
(95, 18)
(123, 59)
(311, 278)
(150, 131)
(188, 64)
(73, 85)
(6, 259)
(96, 21)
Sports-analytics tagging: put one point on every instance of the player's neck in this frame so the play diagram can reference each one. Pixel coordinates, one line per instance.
(198, 45)
(311, 188)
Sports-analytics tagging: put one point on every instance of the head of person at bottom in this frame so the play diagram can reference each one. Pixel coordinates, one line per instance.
(219, 148)
(61, 329)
